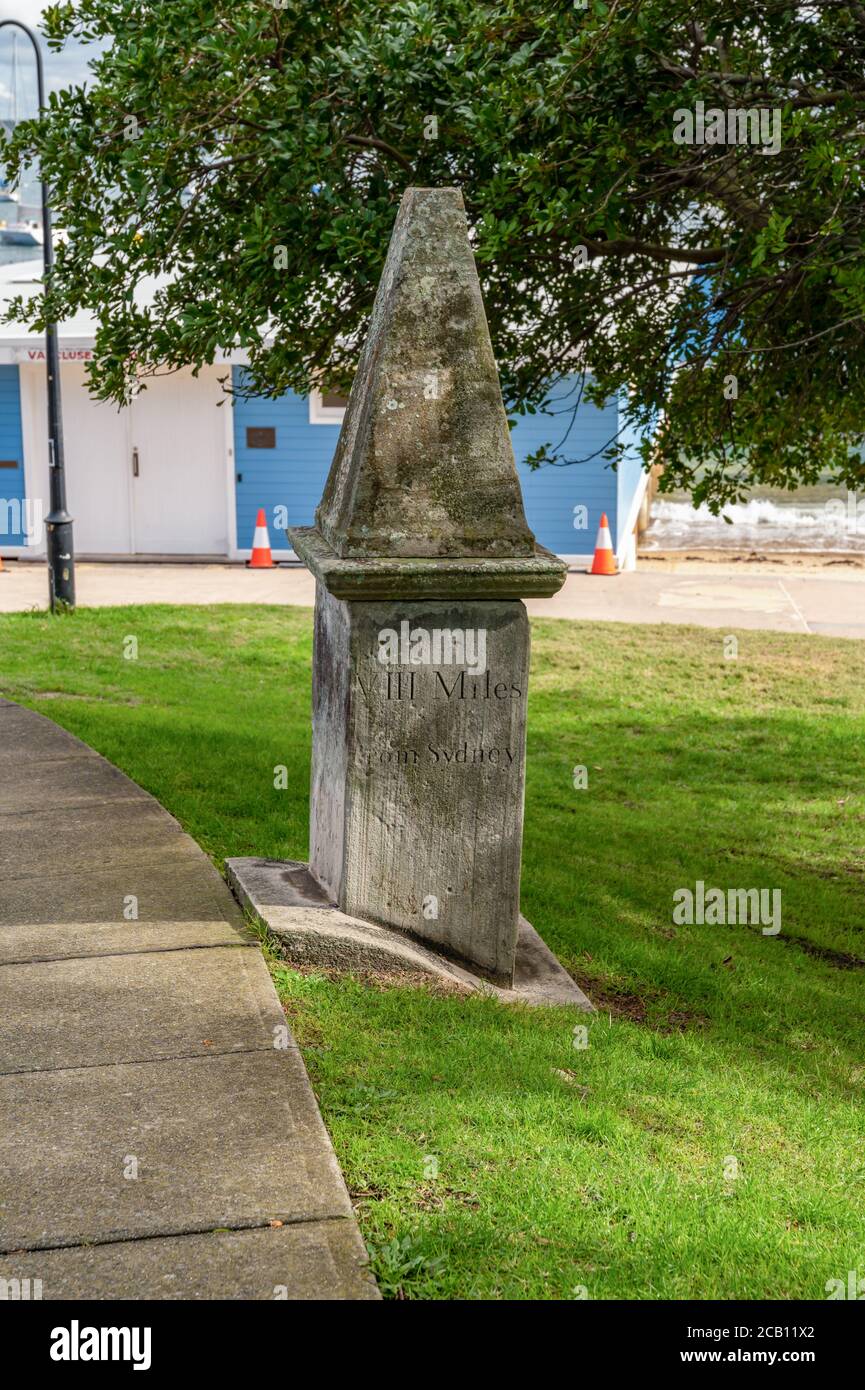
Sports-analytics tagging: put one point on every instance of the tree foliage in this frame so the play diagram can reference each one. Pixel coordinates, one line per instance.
(251, 156)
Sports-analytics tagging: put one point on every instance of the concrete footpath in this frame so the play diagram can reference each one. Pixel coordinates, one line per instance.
(807, 594)
(159, 1137)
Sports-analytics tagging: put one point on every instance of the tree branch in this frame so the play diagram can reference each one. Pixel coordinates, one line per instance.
(369, 142)
(632, 246)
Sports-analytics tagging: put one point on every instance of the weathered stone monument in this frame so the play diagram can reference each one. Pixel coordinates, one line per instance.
(422, 555)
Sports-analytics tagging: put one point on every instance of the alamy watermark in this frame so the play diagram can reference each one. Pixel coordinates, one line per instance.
(713, 907)
(77, 1343)
(851, 1288)
(21, 516)
(20, 1290)
(421, 646)
(756, 125)
(849, 512)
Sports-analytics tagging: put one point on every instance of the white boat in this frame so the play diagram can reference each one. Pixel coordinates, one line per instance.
(22, 234)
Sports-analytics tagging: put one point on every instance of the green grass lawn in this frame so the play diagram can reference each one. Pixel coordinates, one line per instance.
(488, 1156)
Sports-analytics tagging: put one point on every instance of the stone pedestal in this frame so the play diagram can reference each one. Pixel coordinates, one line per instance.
(418, 770)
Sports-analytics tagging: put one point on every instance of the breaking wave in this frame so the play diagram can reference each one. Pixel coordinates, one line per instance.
(759, 524)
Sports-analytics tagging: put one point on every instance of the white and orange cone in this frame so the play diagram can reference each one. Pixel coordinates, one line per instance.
(604, 561)
(261, 558)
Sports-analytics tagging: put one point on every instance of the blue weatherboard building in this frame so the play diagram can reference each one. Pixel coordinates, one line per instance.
(283, 450)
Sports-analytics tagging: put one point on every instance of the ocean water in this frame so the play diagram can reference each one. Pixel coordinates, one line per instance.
(822, 519)
(11, 254)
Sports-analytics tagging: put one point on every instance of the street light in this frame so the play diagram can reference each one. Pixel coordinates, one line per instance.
(58, 523)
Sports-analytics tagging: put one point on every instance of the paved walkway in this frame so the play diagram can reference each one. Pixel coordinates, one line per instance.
(828, 600)
(802, 596)
(158, 1134)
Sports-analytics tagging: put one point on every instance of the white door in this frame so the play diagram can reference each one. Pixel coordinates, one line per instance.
(96, 450)
(177, 466)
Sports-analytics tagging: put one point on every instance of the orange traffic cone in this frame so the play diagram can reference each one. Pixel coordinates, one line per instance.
(261, 558)
(604, 561)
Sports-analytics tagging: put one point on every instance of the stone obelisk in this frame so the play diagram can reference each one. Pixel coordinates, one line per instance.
(422, 554)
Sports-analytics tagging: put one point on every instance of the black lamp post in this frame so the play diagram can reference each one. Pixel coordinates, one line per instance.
(58, 523)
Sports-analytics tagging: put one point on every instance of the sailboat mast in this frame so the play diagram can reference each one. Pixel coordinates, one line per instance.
(14, 79)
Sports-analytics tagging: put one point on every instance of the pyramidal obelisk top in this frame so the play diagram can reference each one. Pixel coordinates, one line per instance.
(424, 468)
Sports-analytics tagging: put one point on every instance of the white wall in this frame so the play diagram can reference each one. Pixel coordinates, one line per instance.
(180, 498)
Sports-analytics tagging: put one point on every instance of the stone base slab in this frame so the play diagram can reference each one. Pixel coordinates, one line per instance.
(287, 899)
